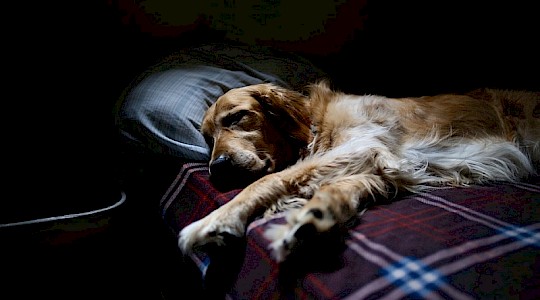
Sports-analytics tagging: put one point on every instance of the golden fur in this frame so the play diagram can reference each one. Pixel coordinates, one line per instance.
(323, 156)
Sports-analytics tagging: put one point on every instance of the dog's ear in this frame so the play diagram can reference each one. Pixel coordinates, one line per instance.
(288, 110)
(207, 124)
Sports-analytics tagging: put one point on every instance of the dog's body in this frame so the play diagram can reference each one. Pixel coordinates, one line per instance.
(325, 155)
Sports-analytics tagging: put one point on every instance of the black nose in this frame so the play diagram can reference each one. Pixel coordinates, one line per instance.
(221, 165)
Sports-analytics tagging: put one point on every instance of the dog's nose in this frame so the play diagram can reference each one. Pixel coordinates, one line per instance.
(221, 164)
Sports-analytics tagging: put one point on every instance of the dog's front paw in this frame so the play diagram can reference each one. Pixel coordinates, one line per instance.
(214, 228)
(317, 218)
(302, 225)
(283, 241)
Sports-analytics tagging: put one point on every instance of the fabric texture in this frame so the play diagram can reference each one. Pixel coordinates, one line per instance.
(161, 111)
(452, 243)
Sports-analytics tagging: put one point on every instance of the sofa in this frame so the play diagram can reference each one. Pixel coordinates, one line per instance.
(453, 243)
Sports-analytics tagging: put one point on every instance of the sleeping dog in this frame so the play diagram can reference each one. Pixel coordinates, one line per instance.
(323, 155)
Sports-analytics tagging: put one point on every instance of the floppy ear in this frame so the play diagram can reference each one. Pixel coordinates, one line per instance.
(288, 110)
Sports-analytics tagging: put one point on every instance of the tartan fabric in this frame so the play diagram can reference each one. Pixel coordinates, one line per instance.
(452, 243)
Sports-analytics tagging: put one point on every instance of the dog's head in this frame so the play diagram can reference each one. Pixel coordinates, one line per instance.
(253, 131)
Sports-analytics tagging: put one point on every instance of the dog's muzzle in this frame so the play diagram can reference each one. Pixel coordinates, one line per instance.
(221, 165)
(225, 175)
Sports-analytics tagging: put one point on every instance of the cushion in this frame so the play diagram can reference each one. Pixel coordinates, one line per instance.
(161, 111)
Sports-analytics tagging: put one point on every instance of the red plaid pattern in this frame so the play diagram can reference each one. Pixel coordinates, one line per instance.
(457, 243)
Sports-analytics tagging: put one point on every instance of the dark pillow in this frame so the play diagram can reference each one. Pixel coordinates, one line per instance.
(162, 110)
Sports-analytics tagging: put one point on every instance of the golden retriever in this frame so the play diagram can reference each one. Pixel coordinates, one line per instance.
(324, 155)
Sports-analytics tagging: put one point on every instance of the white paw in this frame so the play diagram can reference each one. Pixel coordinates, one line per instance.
(302, 224)
(213, 228)
(283, 241)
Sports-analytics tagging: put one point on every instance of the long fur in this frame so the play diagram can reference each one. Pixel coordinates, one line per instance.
(323, 156)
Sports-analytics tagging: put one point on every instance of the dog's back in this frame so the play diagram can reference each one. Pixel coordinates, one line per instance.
(442, 139)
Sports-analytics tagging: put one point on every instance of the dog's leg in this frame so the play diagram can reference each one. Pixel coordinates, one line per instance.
(329, 205)
(332, 205)
(231, 218)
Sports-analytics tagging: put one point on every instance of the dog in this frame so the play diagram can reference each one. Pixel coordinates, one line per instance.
(323, 155)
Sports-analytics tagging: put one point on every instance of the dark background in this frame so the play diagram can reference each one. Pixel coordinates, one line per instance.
(67, 63)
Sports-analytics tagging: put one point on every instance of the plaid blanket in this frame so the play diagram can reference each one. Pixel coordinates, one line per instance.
(454, 243)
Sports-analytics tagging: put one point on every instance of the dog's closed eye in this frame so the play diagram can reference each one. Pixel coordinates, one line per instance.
(234, 118)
